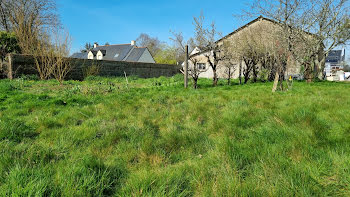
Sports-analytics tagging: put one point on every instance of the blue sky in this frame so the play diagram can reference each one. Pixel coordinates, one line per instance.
(120, 21)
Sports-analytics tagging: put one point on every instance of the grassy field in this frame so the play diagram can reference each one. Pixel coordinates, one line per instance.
(150, 137)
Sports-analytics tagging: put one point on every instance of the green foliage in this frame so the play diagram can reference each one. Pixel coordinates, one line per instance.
(346, 68)
(100, 137)
(166, 55)
(264, 75)
(8, 44)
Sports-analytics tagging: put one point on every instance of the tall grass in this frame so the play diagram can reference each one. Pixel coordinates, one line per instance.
(101, 137)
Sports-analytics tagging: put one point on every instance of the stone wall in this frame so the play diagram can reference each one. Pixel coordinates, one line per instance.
(24, 65)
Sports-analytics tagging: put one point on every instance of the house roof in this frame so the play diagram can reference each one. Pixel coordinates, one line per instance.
(243, 27)
(135, 54)
(121, 52)
(79, 55)
(335, 56)
(114, 52)
(256, 20)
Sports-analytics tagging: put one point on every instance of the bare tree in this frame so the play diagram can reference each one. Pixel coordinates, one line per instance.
(329, 21)
(62, 65)
(230, 61)
(87, 47)
(194, 71)
(180, 45)
(152, 43)
(310, 28)
(37, 13)
(253, 47)
(205, 38)
(284, 12)
(230, 69)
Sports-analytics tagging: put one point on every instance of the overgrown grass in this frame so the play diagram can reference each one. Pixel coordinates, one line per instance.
(150, 137)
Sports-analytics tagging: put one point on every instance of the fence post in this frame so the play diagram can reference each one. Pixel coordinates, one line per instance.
(186, 68)
(9, 67)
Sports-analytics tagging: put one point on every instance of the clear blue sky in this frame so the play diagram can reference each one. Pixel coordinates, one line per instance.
(120, 21)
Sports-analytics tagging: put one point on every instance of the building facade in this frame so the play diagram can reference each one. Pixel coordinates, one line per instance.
(265, 27)
(122, 52)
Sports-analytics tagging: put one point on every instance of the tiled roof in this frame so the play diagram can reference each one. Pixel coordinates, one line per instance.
(334, 56)
(114, 52)
(121, 52)
(79, 55)
(135, 54)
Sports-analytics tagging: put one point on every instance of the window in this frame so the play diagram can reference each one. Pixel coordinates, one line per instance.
(201, 66)
(99, 57)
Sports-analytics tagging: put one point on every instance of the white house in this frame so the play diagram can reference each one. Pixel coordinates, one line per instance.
(121, 52)
(335, 65)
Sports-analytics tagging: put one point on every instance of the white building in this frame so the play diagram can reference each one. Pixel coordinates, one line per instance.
(335, 65)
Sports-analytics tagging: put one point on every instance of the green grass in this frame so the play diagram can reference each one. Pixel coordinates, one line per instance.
(150, 137)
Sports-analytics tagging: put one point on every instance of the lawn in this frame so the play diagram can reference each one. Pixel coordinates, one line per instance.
(151, 137)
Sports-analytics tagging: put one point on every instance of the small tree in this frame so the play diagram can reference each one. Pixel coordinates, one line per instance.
(229, 61)
(194, 71)
(205, 38)
(166, 55)
(62, 66)
(87, 47)
(8, 44)
(152, 43)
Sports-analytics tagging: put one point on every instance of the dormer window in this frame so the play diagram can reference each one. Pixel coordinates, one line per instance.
(100, 54)
(90, 56)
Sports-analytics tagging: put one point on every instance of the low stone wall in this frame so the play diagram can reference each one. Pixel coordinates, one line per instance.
(25, 65)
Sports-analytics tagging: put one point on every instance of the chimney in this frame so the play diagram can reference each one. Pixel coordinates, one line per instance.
(95, 44)
(133, 43)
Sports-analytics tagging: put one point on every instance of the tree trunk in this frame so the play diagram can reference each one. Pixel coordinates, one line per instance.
(229, 77)
(308, 73)
(215, 78)
(275, 83)
(254, 74)
(246, 78)
(195, 83)
(281, 81)
(320, 63)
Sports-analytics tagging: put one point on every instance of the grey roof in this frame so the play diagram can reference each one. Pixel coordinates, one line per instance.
(123, 52)
(335, 56)
(115, 52)
(135, 54)
(79, 55)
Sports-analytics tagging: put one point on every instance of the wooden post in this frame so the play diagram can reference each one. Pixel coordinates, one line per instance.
(9, 67)
(186, 68)
(240, 72)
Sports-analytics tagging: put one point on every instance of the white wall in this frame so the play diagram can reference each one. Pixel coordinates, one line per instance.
(90, 55)
(99, 55)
